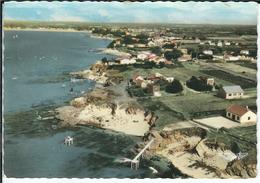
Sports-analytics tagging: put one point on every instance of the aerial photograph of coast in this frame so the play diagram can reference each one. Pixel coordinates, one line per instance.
(129, 90)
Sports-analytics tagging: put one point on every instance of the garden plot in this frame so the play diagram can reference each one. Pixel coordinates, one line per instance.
(218, 122)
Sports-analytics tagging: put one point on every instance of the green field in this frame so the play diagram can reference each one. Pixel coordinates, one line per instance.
(244, 137)
(243, 82)
(172, 108)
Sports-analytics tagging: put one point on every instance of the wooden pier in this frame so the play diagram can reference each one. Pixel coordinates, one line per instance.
(135, 162)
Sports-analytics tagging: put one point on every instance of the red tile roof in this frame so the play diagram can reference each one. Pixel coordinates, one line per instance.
(237, 110)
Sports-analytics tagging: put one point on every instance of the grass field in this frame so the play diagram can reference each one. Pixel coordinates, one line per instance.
(172, 109)
(242, 64)
(245, 137)
(182, 73)
(243, 82)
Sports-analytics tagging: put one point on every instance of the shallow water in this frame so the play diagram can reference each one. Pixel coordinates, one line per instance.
(36, 80)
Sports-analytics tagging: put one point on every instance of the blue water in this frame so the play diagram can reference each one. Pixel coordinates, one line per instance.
(36, 67)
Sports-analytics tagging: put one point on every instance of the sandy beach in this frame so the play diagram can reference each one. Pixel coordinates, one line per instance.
(100, 116)
(115, 52)
(197, 164)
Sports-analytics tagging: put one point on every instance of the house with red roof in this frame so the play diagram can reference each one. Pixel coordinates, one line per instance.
(240, 114)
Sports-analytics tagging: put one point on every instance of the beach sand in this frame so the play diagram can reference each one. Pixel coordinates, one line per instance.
(131, 124)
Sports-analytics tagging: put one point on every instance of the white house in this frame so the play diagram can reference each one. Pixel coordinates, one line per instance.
(244, 52)
(218, 57)
(169, 79)
(227, 43)
(208, 52)
(220, 44)
(151, 44)
(127, 61)
(231, 58)
(231, 92)
(240, 114)
(142, 56)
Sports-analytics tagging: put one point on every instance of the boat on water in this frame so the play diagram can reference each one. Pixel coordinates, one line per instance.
(15, 36)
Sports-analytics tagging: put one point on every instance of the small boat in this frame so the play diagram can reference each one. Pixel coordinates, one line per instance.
(15, 36)
(63, 85)
(14, 78)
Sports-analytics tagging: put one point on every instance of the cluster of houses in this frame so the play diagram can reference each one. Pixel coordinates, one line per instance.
(140, 57)
(234, 112)
(151, 82)
(237, 112)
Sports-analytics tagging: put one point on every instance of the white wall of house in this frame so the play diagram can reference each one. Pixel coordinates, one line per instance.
(248, 117)
(234, 95)
(127, 61)
(208, 52)
(157, 94)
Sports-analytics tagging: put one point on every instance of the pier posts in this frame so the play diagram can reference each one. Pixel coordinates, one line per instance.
(68, 140)
(135, 164)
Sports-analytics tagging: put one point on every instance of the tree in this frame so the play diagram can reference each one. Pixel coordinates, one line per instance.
(111, 45)
(128, 40)
(174, 54)
(169, 46)
(104, 60)
(234, 148)
(161, 65)
(174, 87)
(143, 38)
(198, 84)
(156, 50)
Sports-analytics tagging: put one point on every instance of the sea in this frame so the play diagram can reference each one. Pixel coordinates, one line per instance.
(36, 80)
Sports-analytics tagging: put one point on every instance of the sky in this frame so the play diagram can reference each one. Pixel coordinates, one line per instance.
(135, 12)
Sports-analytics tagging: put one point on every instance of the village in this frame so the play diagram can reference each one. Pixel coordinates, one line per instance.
(162, 63)
(163, 82)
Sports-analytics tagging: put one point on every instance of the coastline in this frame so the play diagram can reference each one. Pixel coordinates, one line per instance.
(44, 30)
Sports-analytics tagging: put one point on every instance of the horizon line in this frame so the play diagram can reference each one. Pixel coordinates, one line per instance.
(152, 23)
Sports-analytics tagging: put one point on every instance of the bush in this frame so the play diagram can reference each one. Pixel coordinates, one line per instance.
(156, 50)
(174, 87)
(174, 54)
(198, 84)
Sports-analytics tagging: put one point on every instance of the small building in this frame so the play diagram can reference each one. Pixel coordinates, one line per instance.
(154, 89)
(208, 81)
(184, 50)
(218, 57)
(126, 61)
(240, 114)
(244, 52)
(231, 58)
(184, 58)
(208, 52)
(152, 57)
(139, 45)
(227, 43)
(169, 79)
(220, 44)
(151, 44)
(137, 77)
(231, 92)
